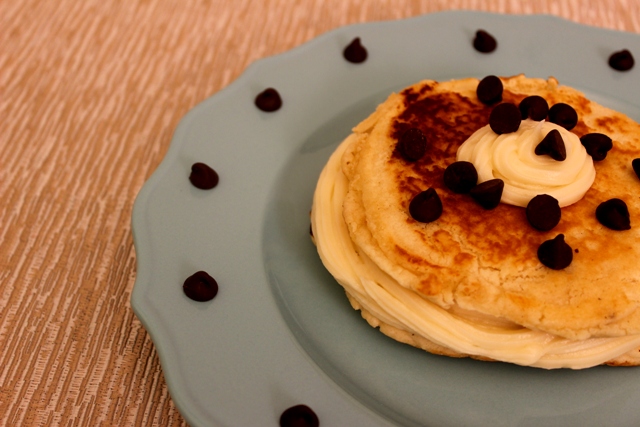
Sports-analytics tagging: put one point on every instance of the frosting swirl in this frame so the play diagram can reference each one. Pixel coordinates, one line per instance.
(511, 157)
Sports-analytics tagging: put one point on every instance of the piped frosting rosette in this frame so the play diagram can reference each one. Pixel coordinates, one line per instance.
(511, 157)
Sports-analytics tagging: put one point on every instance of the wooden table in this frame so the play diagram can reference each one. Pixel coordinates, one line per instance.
(90, 94)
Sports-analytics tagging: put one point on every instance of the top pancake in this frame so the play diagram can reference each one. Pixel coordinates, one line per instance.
(482, 260)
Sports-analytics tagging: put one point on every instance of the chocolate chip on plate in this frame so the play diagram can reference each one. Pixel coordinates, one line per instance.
(484, 42)
(597, 145)
(299, 416)
(488, 193)
(553, 146)
(505, 118)
(268, 100)
(621, 60)
(614, 214)
(563, 115)
(543, 212)
(426, 206)
(489, 90)
(200, 286)
(355, 52)
(460, 177)
(534, 107)
(555, 253)
(203, 177)
(412, 144)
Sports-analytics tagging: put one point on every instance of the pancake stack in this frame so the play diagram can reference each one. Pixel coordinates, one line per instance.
(458, 272)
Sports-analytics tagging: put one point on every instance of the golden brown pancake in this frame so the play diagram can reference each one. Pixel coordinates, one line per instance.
(484, 262)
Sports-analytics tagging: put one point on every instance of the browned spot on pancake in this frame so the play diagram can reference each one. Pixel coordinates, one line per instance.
(463, 258)
(410, 257)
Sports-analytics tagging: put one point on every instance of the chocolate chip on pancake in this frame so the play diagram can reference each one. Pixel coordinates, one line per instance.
(268, 100)
(488, 193)
(505, 118)
(484, 42)
(597, 145)
(621, 60)
(534, 107)
(412, 144)
(355, 52)
(489, 90)
(460, 177)
(553, 146)
(635, 164)
(563, 115)
(614, 214)
(543, 212)
(555, 253)
(426, 206)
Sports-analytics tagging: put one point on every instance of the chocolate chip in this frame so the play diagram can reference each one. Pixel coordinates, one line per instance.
(563, 115)
(553, 146)
(299, 416)
(614, 214)
(460, 177)
(200, 287)
(355, 52)
(635, 164)
(621, 60)
(268, 100)
(412, 144)
(534, 107)
(489, 90)
(555, 253)
(484, 42)
(203, 177)
(597, 145)
(488, 193)
(505, 118)
(426, 206)
(543, 212)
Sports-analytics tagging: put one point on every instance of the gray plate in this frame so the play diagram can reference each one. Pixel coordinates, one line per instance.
(281, 332)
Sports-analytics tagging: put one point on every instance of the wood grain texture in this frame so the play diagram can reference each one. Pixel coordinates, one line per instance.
(90, 94)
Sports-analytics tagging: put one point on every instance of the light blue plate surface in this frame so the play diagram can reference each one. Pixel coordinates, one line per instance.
(281, 332)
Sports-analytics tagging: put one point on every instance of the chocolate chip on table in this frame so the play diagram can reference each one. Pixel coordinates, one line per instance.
(426, 206)
(534, 107)
(203, 177)
(563, 115)
(553, 146)
(543, 212)
(597, 145)
(460, 177)
(299, 416)
(412, 144)
(268, 100)
(505, 118)
(355, 52)
(614, 214)
(489, 90)
(635, 164)
(621, 60)
(488, 193)
(484, 42)
(555, 253)
(200, 287)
